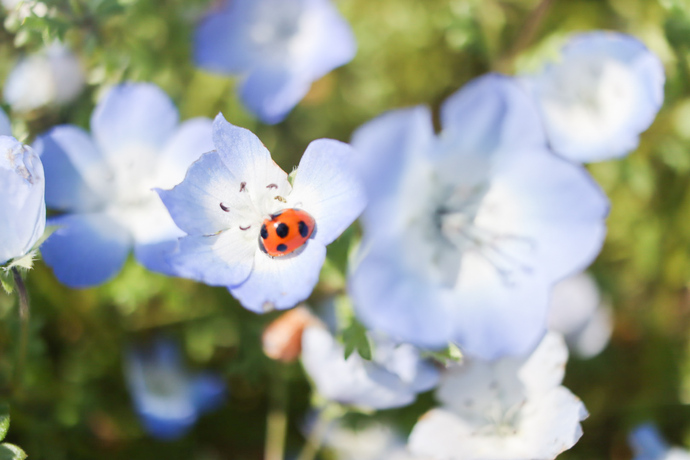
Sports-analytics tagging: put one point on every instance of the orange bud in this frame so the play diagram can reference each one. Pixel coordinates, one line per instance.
(282, 339)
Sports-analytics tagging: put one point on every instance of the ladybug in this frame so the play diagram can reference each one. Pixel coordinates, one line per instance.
(285, 231)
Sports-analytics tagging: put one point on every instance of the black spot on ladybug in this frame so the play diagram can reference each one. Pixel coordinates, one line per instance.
(281, 248)
(303, 229)
(264, 232)
(282, 230)
(224, 208)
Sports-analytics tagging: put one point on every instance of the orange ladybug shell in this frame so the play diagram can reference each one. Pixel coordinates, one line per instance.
(285, 232)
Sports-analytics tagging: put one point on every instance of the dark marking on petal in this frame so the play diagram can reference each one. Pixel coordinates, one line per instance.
(282, 230)
(303, 229)
(271, 186)
(224, 208)
(281, 248)
(264, 232)
(245, 228)
(281, 199)
(243, 187)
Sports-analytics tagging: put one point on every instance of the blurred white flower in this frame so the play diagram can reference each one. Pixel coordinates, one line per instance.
(508, 409)
(596, 100)
(375, 441)
(578, 313)
(53, 76)
(391, 379)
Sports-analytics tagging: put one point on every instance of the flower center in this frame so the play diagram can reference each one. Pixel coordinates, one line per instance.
(464, 222)
(275, 26)
(589, 95)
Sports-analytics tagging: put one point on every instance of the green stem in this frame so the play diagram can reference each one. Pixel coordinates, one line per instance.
(24, 313)
(526, 35)
(276, 422)
(315, 439)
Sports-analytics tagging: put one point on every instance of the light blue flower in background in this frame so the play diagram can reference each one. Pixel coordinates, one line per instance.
(647, 444)
(279, 47)
(22, 204)
(465, 232)
(168, 398)
(103, 183)
(53, 76)
(578, 312)
(600, 96)
(393, 378)
(227, 194)
(5, 126)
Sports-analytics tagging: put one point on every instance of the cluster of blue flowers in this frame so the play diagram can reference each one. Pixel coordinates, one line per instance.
(465, 231)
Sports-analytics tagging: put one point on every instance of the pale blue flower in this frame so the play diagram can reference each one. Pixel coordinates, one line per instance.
(648, 444)
(168, 398)
(512, 408)
(596, 100)
(227, 195)
(103, 183)
(22, 204)
(52, 77)
(466, 231)
(279, 47)
(393, 378)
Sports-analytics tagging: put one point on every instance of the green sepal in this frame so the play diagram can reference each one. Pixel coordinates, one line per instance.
(447, 356)
(6, 280)
(291, 176)
(25, 262)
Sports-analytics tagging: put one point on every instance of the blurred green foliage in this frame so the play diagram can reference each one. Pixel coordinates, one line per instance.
(74, 403)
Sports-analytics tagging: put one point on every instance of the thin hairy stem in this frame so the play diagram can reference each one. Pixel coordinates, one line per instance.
(24, 313)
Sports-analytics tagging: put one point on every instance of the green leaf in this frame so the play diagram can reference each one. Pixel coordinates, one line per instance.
(4, 420)
(355, 338)
(11, 452)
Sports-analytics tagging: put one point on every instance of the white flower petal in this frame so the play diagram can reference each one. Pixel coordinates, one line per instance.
(250, 164)
(210, 199)
(22, 205)
(545, 367)
(328, 187)
(545, 212)
(353, 381)
(225, 259)
(281, 282)
(516, 305)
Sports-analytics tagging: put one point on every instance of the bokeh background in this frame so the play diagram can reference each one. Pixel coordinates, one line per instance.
(74, 402)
